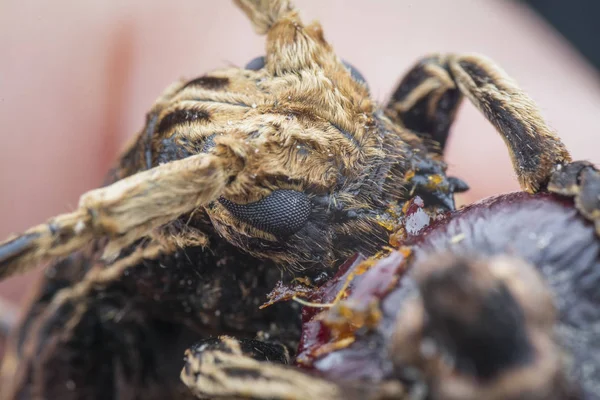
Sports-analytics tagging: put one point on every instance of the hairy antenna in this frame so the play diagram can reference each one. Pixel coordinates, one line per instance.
(126, 210)
(428, 97)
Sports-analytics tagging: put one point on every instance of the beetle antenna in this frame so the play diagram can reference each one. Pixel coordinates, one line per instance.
(128, 209)
(265, 13)
(291, 46)
(534, 148)
(427, 99)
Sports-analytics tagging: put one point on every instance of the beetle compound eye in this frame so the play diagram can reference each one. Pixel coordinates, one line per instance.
(356, 75)
(282, 213)
(256, 64)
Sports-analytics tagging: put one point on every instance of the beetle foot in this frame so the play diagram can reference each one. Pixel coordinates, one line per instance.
(580, 180)
(429, 181)
(230, 368)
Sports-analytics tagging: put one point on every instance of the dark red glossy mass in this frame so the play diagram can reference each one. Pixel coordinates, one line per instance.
(350, 339)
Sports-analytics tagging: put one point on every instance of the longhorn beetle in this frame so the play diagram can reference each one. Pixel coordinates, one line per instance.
(279, 171)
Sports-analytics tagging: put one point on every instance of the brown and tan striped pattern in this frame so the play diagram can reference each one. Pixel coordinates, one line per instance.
(302, 123)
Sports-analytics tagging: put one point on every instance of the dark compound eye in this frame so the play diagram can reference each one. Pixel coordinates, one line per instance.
(357, 76)
(256, 64)
(282, 213)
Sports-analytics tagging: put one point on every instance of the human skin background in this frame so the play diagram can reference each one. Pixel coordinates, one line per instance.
(76, 78)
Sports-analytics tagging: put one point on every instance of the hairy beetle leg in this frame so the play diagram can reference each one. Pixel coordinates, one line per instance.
(67, 332)
(427, 99)
(256, 349)
(231, 368)
(580, 180)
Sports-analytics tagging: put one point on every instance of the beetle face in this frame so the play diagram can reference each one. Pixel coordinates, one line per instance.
(314, 174)
(321, 163)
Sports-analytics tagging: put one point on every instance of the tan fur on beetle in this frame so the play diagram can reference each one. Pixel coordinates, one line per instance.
(276, 128)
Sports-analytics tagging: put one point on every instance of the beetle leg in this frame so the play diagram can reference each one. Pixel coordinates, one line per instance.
(427, 178)
(82, 344)
(249, 369)
(255, 349)
(580, 180)
(230, 368)
(427, 99)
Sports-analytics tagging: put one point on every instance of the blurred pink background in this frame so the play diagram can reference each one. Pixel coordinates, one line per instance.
(76, 78)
